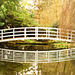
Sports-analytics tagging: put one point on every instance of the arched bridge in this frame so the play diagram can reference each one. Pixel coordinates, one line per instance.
(37, 56)
(36, 33)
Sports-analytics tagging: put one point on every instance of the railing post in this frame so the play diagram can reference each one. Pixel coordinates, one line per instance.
(57, 33)
(36, 56)
(48, 56)
(2, 35)
(60, 33)
(46, 32)
(36, 33)
(13, 33)
(67, 54)
(71, 35)
(25, 32)
(71, 53)
(59, 55)
(68, 35)
(13, 55)
(25, 56)
(2, 55)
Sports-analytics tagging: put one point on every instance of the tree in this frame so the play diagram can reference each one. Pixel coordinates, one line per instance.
(48, 12)
(12, 15)
(3, 1)
(67, 15)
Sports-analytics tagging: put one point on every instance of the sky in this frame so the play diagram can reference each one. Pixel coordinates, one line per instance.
(30, 4)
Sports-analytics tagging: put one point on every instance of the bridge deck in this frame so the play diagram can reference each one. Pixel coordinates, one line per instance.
(20, 56)
(39, 38)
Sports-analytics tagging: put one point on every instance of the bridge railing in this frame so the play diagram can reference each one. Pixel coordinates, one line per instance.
(36, 33)
(37, 56)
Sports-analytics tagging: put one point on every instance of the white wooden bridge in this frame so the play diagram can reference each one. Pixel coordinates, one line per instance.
(37, 33)
(37, 56)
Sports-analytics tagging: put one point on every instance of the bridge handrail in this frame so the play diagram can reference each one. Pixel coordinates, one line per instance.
(37, 33)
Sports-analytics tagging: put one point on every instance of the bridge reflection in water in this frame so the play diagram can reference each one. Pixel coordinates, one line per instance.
(20, 56)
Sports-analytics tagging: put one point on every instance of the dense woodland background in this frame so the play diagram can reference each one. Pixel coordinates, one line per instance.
(47, 13)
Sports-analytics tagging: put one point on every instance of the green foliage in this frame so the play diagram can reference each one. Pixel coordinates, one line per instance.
(12, 15)
(31, 41)
(61, 45)
(55, 25)
(15, 1)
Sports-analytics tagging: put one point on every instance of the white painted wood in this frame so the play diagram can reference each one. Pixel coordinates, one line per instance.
(25, 56)
(52, 33)
(71, 36)
(46, 33)
(2, 35)
(25, 32)
(48, 58)
(57, 34)
(60, 56)
(36, 33)
(13, 56)
(13, 33)
(60, 33)
(71, 53)
(2, 55)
